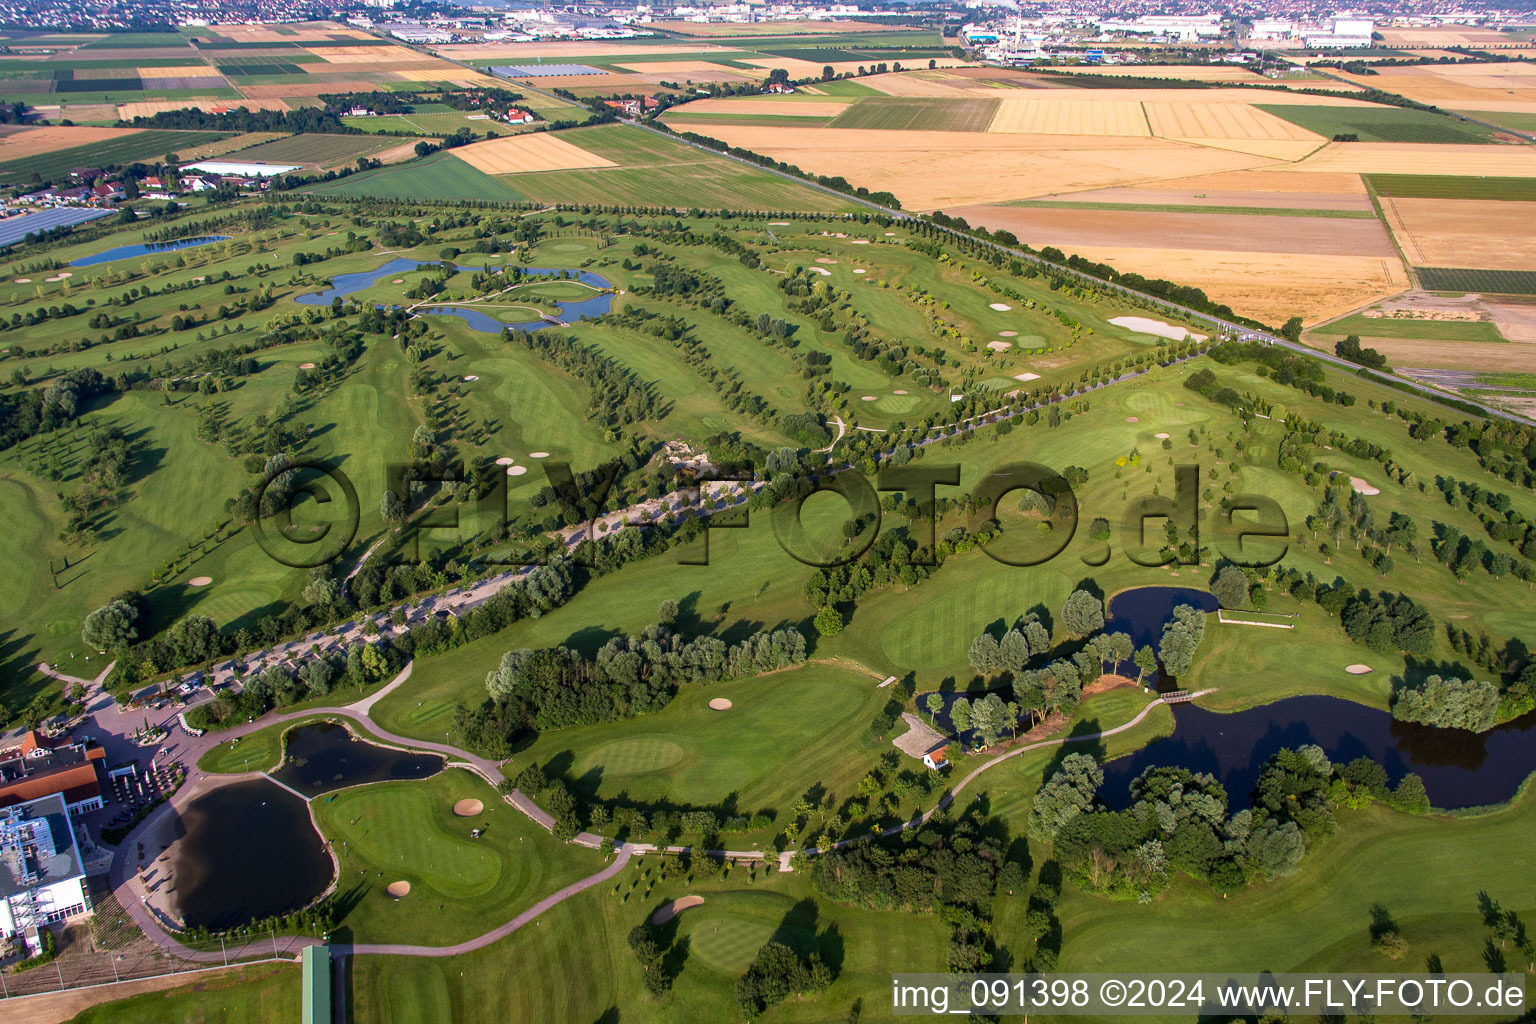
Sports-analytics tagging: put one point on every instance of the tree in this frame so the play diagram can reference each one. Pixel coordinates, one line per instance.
(1410, 795)
(827, 73)
(1448, 704)
(935, 703)
(321, 589)
(1181, 637)
(111, 626)
(1231, 587)
(1083, 614)
(1065, 795)
(829, 621)
(392, 508)
(1291, 331)
(960, 715)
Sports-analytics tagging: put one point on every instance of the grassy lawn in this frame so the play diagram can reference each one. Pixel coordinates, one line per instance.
(741, 910)
(784, 733)
(265, 994)
(438, 176)
(460, 887)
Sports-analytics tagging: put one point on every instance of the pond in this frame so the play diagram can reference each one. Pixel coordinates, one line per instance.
(1459, 768)
(123, 252)
(570, 310)
(1144, 611)
(324, 756)
(247, 851)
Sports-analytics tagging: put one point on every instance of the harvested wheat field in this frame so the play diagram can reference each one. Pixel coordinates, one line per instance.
(275, 93)
(1424, 158)
(1464, 232)
(1269, 286)
(180, 71)
(1166, 194)
(1446, 355)
(517, 154)
(1053, 116)
(33, 141)
(1269, 181)
(1069, 229)
(938, 170)
(149, 108)
(363, 54)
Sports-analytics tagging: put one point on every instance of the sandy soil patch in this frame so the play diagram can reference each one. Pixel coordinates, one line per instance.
(1269, 286)
(515, 154)
(1026, 377)
(719, 704)
(1107, 681)
(667, 911)
(1464, 232)
(929, 170)
(46, 139)
(398, 890)
(1146, 325)
(468, 808)
(199, 581)
(1067, 228)
(1357, 670)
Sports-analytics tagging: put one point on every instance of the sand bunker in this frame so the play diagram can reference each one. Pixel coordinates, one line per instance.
(829, 261)
(1133, 419)
(538, 455)
(1361, 487)
(778, 223)
(23, 280)
(398, 890)
(468, 808)
(199, 581)
(516, 470)
(1145, 325)
(1026, 377)
(398, 280)
(720, 704)
(823, 271)
(861, 241)
(1357, 670)
(1161, 437)
(505, 460)
(306, 366)
(861, 271)
(866, 398)
(471, 377)
(1007, 334)
(667, 911)
(1001, 307)
(898, 391)
(999, 346)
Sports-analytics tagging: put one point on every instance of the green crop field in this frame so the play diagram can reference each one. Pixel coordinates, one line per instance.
(266, 994)
(1380, 124)
(151, 145)
(1517, 120)
(1459, 279)
(1429, 330)
(314, 148)
(903, 114)
(440, 175)
(1442, 186)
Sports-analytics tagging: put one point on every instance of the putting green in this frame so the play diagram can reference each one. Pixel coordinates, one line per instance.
(727, 942)
(396, 828)
(631, 757)
(1157, 411)
(896, 405)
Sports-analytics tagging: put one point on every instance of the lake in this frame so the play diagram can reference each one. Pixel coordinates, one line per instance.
(324, 756)
(1459, 768)
(123, 252)
(248, 851)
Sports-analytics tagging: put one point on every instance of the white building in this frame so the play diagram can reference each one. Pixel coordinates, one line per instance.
(42, 880)
(1184, 27)
(1272, 30)
(1342, 33)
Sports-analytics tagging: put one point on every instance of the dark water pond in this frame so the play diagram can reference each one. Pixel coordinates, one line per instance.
(1459, 768)
(249, 851)
(123, 252)
(570, 310)
(323, 756)
(1144, 611)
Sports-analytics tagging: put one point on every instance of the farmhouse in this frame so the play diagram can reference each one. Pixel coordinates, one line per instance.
(515, 116)
(42, 879)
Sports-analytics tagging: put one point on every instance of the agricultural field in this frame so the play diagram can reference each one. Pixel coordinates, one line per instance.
(322, 152)
(440, 175)
(1380, 124)
(122, 147)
